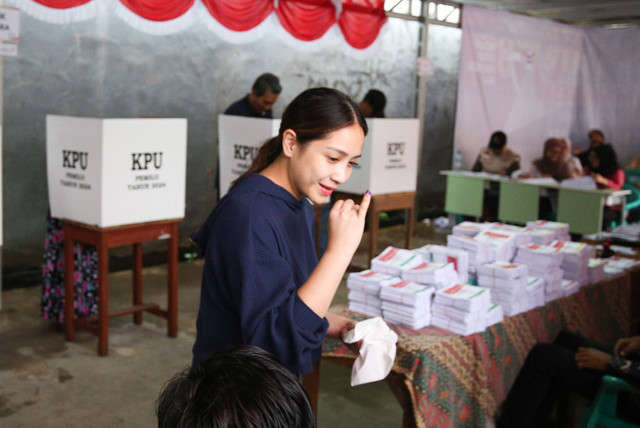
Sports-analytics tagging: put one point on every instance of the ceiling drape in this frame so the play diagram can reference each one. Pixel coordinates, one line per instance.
(359, 21)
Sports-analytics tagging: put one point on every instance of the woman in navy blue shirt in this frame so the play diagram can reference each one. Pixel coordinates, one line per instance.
(262, 283)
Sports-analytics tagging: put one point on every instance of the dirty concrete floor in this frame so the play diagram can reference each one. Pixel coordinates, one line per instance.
(48, 382)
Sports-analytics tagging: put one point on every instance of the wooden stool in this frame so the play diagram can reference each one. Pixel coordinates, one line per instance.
(103, 239)
(381, 203)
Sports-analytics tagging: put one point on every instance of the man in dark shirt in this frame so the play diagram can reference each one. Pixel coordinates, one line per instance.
(259, 101)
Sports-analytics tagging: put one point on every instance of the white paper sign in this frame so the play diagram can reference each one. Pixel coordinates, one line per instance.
(111, 172)
(239, 139)
(9, 24)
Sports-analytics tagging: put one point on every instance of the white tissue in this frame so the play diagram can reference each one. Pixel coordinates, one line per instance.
(377, 353)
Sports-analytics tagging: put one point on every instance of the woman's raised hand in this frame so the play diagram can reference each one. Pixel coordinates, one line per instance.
(346, 225)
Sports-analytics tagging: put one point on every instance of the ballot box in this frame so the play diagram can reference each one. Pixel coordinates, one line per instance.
(389, 162)
(112, 172)
(238, 141)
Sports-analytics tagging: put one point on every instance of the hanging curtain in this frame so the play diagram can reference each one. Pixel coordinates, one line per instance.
(61, 11)
(361, 21)
(239, 15)
(62, 4)
(158, 10)
(306, 19)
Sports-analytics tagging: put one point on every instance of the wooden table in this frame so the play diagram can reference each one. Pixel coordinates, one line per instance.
(385, 202)
(447, 380)
(103, 239)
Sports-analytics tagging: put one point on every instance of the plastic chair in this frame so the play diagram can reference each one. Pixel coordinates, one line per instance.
(603, 409)
(630, 183)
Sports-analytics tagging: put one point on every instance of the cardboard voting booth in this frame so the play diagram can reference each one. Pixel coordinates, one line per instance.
(389, 162)
(239, 139)
(112, 172)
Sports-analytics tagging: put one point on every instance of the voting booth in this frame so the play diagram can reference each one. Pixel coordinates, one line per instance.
(112, 172)
(239, 139)
(389, 162)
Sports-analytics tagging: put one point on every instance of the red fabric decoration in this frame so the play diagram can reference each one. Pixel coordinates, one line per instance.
(306, 20)
(62, 4)
(361, 21)
(239, 15)
(158, 10)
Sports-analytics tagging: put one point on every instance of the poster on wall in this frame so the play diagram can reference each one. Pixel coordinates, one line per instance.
(9, 31)
(239, 140)
(389, 162)
(112, 172)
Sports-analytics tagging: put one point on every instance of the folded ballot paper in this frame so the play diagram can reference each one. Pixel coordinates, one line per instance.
(461, 309)
(507, 282)
(364, 291)
(561, 230)
(437, 274)
(522, 234)
(392, 260)
(377, 353)
(596, 270)
(615, 265)
(575, 260)
(469, 228)
(439, 253)
(407, 303)
(541, 236)
(494, 315)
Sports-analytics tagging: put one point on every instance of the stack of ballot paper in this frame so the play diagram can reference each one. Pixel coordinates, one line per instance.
(541, 236)
(469, 228)
(575, 260)
(439, 253)
(494, 315)
(406, 303)
(628, 232)
(392, 260)
(615, 265)
(596, 270)
(461, 309)
(567, 288)
(522, 234)
(544, 261)
(364, 291)
(479, 252)
(437, 274)
(501, 242)
(561, 230)
(535, 292)
(507, 282)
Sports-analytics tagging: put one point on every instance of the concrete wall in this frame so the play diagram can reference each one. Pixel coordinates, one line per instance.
(104, 68)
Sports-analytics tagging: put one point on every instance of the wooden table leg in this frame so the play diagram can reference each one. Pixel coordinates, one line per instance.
(69, 287)
(172, 274)
(311, 384)
(410, 220)
(374, 225)
(103, 299)
(137, 281)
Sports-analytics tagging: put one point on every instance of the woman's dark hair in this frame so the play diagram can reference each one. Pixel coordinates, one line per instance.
(312, 115)
(240, 386)
(498, 140)
(608, 160)
(377, 101)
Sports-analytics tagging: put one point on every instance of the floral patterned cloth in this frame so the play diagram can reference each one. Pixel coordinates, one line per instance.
(459, 381)
(85, 279)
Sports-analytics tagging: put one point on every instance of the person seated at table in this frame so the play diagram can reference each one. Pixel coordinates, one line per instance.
(634, 164)
(239, 386)
(570, 364)
(373, 104)
(596, 139)
(603, 167)
(552, 163)
(497, 158)
(575, 166)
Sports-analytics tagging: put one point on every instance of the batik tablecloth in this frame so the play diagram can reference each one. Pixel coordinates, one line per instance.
(459, 381)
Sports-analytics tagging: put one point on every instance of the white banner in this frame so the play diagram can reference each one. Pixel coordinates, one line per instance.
(518, 75)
